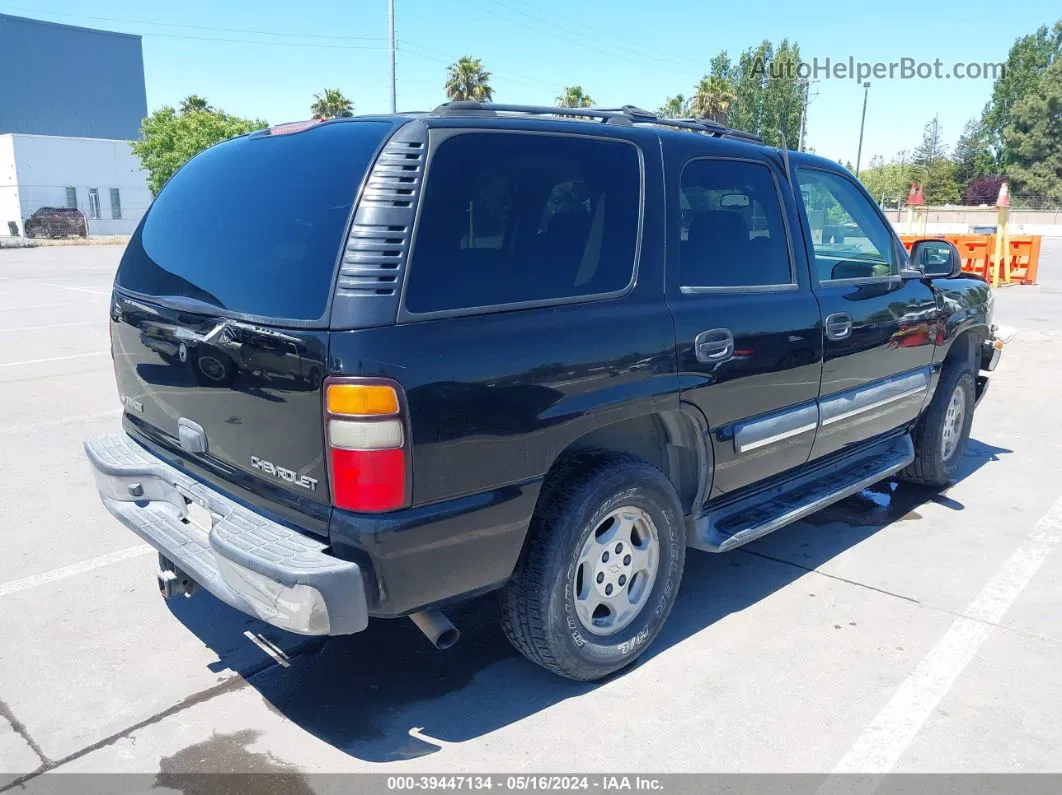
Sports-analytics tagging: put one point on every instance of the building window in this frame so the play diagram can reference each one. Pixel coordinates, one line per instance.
(71, 198)
(116, 204)
(94, 203)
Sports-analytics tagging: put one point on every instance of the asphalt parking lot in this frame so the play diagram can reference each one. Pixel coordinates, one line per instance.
(899, 630)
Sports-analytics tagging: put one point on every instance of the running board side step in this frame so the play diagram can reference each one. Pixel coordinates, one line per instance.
(733, 524)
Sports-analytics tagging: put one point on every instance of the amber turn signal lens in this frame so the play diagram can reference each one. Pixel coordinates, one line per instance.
(362, 399)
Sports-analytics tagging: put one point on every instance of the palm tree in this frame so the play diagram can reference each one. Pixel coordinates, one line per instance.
(676, 107)
(194, 102)
(713, 98)
(573, 97)
(467, 79)
(331, 105)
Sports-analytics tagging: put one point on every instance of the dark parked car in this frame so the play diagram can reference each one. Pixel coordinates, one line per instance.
(527, 350)
(56, 222)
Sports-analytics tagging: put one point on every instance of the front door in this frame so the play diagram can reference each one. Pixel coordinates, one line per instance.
(746, 320)
(878, 326)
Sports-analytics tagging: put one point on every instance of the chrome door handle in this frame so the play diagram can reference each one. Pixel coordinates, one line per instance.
(714, 346)
(838, 326)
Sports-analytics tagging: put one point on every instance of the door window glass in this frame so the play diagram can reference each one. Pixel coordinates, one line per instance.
(850, 239)
(732, 232)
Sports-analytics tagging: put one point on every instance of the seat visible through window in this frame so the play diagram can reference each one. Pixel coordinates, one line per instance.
(734, 235)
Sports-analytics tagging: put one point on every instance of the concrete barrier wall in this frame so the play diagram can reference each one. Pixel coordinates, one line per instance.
(961, 220)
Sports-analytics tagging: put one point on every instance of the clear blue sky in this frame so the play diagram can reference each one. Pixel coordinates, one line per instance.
(266, 58)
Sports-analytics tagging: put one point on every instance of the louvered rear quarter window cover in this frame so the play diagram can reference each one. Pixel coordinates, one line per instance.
(370, 275)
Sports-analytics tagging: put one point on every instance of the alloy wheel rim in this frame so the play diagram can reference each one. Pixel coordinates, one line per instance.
(616, 570)
(953, 422)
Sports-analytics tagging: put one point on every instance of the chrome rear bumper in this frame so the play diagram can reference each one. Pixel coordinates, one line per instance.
(246, 560)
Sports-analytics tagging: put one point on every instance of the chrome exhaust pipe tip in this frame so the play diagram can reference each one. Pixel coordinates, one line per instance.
(436, 628)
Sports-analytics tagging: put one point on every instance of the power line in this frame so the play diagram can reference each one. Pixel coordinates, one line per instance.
(581, 40)
(626, 47)
(551, 15)
(441, 57)
(194, 27)
(315, 45)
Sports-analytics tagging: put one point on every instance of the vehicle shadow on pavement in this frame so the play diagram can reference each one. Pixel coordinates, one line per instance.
(385, 694)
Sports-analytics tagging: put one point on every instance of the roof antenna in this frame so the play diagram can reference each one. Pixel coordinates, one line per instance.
(788, 169)
(785, 157)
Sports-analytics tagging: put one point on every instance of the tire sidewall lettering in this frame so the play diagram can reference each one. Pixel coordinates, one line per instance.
(668, 530)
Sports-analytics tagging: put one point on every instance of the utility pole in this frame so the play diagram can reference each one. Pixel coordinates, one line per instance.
(391, 46)
(807, 83)
(859, 151)
(803, 114)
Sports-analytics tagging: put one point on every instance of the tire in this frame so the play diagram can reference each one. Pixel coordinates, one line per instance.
(937, 460)
(601, 496)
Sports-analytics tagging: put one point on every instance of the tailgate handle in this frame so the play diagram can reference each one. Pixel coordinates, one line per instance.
(192, 436)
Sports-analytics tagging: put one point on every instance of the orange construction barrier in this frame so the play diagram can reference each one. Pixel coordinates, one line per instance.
(1024, 258)
(977, 252)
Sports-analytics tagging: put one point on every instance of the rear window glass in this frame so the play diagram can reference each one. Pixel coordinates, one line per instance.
(511, 217)
(254, 225)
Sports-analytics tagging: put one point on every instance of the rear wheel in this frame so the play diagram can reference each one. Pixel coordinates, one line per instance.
(601, 569)
(941, 435)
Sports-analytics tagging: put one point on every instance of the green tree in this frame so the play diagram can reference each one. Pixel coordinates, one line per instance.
(888, 182)
(169, 139)
(972, 155)
(768, 93)
(194, 102)
(676, 107)
(573, 97)
(932, 146)
(783, 97)
(468, 79)
(712, 99)
(331, 104)
(933, 169)
(749, 76)
(1034, 139)
(1026, 62)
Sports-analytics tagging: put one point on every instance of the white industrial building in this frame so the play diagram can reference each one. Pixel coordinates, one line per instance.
(98, 176)
(65, 130)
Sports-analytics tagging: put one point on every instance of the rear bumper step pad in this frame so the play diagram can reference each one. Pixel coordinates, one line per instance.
(246, 560)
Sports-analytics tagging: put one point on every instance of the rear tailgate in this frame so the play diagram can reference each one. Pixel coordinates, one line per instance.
(220, 312)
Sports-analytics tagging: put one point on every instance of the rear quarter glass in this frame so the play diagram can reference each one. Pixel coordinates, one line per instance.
(254, 225)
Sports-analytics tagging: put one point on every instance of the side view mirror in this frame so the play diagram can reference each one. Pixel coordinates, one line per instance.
(936, 258)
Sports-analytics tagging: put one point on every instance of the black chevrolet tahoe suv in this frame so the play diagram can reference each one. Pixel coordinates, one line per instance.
(372, 367)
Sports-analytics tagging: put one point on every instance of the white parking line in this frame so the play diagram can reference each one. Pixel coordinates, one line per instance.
(77, 289)
(888, 736)
(37, 306)
(54, 359)
(75, 419)
(73, 569)
(55, 325)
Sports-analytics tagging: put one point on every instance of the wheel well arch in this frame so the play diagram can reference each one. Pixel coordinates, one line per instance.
(672, 441)
(965, 346)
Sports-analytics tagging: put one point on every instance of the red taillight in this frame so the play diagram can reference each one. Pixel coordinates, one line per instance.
(368, 480)
(368, 444)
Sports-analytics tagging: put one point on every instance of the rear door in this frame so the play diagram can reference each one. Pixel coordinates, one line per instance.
(220, 310)
(879, 327)
(747, 323)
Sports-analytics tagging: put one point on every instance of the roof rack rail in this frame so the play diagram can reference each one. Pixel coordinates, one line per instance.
(627, 114)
